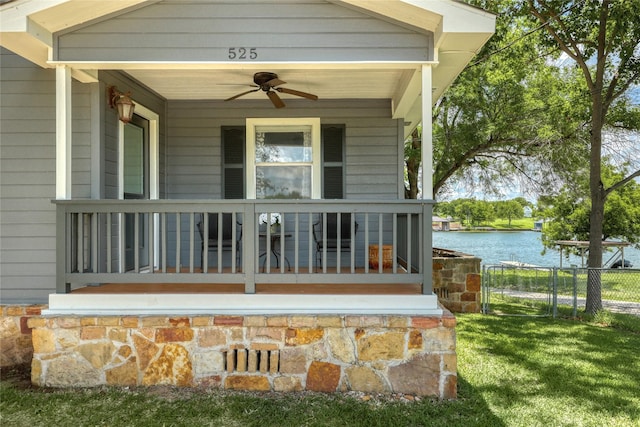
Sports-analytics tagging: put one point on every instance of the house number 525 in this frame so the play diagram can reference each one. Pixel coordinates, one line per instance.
(243, 53)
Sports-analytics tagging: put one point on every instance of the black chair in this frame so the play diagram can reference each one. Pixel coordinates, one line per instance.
(227, 235)
(332, 237)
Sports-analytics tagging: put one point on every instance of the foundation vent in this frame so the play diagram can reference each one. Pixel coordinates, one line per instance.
(264, 361)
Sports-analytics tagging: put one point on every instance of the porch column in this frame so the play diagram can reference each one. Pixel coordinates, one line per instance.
(427, 180)
(63, 132)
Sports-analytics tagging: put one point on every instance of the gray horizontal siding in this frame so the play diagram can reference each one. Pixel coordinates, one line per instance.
(278, 31)
(194, 143)
(27, 181)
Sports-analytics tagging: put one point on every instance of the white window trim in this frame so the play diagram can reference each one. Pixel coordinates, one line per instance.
(316, 172)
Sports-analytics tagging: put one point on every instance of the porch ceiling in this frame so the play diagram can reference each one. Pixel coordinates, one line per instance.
(223, 84)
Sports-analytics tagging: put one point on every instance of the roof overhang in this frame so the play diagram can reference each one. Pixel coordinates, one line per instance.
(28, 28)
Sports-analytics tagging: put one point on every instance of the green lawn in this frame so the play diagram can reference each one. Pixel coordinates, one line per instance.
(516, 224)
(513, 371)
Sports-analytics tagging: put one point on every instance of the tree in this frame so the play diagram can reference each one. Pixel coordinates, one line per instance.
(602, 38)
(508, 116)
(509, 209)
(570, 211)
(412, 156)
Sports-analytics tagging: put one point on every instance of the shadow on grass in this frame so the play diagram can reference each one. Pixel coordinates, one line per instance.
(576, 366)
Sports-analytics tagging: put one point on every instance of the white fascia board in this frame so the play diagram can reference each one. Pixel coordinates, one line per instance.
(27, 46)
(13, 15)
(458, 17)
(254, 65)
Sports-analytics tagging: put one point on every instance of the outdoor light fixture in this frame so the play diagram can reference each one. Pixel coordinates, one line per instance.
(121, 101)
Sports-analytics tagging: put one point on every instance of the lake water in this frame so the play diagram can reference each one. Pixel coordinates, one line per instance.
(523, 246)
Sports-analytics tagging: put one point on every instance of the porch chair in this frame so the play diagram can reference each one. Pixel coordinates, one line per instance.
(227, 235)
(332, 235)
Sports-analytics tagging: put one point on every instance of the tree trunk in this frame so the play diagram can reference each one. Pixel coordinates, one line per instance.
(413, 166)
(596, 217)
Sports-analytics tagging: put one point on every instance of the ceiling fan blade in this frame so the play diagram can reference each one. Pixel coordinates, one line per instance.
(297, 93)
(277, 102)
(241, 94)
(275, 82)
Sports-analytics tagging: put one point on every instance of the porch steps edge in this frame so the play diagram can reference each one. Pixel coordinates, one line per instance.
(245, 304)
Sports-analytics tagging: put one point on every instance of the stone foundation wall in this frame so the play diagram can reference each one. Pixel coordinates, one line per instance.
(377, 354)
(16, 347)
(457, 280)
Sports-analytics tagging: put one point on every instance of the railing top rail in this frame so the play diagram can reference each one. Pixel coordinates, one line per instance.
(216, 205)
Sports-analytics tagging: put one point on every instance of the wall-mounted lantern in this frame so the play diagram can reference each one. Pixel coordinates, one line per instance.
(121, 101)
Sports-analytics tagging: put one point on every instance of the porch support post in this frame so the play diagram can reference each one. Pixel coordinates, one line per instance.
(427, 180)
(63, 133)
(427, 131)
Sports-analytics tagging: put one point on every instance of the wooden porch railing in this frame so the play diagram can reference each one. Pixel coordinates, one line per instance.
(159, 241)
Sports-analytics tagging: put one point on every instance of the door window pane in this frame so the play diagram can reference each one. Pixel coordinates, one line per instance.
(134, 159)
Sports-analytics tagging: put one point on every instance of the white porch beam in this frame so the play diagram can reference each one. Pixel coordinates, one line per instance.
(63, 133)
(404, 100)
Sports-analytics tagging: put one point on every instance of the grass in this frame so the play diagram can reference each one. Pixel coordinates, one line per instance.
(516, 224)
(513, 371)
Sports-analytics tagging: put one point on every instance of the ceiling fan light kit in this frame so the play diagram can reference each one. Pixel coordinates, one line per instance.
(267, 82)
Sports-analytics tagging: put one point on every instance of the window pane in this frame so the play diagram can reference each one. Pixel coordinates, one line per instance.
(283, 182)
(133, 159)
(275, 146)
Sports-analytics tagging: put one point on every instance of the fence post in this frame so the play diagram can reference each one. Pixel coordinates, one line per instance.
(555, 292)
(575, 291)
(484, 289)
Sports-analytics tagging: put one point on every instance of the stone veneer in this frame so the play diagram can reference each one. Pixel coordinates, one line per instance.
(457, 280)
(377, 354)
(16, 347)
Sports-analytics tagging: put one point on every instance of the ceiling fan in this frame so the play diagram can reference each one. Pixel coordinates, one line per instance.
(267, 82)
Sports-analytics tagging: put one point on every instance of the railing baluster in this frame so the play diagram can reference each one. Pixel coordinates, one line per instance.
(338, 240)
(380, 243)
(109, 216)
(136, 241)
(352, 242)
(205, 242)
(394, 243)
(94, 242)
(151, 239)
(234, 232)
(409, 243)
(219, 242)
(296, 242)
(178, 242)
(324, 246)
(164, 234)
(192, 231)
(312, 252)
(80, 244)
(366, 242)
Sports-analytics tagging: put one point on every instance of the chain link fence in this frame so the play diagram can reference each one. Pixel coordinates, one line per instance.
(539, 291)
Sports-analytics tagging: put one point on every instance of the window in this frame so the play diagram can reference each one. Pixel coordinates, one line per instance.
(233, 142)
(333, 161)
(283, 158)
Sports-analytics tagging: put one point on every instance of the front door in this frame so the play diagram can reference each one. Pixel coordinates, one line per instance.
(136, 186)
